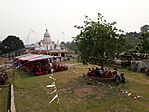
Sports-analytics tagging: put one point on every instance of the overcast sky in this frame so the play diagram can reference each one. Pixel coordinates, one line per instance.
(18, 16)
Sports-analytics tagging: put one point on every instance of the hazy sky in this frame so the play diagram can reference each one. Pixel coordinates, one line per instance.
(18, 16)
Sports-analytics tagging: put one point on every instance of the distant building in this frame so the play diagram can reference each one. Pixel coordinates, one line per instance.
(47, 46)
(145, 28)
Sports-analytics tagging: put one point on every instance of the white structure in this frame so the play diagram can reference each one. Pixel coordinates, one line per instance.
(47, 43)
(47, 46)
(139, 65)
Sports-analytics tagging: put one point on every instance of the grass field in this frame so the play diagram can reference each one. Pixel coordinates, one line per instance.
(31, 94)
(4, 93)
(4, 99)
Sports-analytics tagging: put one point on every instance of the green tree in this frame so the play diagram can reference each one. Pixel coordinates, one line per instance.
(12, 43)
(1, 48)
(131, 40)
(143, 45)
(99, 41)
(72, 46)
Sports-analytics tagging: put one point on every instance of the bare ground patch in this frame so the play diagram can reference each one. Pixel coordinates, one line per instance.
(93, 90)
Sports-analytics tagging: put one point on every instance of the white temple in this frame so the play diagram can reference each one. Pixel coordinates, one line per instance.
(47, 46)
(47, 43)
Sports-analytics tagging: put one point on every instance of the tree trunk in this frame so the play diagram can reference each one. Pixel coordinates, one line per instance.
(102, 64)
(102, 59)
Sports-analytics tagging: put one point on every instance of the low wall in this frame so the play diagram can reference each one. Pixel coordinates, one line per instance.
(12, 106)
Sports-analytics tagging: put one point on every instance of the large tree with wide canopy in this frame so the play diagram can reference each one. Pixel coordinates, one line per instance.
(99, 41)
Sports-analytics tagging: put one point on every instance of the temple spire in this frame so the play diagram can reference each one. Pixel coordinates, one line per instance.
(46, 29)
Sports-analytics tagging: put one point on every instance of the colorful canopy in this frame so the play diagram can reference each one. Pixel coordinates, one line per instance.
(34, 57)
(41, 57)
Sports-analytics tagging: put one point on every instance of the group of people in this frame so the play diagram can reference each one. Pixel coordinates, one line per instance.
(42, 68)
(106, 73)
(58, 67)
(99, 72)
(35, 69)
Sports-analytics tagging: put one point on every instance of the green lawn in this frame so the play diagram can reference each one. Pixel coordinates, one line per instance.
(4, 93)
(31, 94)
(4, 99)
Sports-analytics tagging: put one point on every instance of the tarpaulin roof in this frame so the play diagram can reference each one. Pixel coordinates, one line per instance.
(40, 58)
(17, 57)
(34, 57)
(28, 57)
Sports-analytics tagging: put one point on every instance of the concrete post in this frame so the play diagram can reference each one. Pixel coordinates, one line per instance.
(12, 107)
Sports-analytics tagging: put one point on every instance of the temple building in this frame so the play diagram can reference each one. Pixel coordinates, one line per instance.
(47, 46)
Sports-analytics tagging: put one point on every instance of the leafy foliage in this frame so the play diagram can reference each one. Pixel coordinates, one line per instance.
(0, 48)
(99, 41)
(131, 40)
(70, 45)
(143, 45)
(137, 42)
(11, 43)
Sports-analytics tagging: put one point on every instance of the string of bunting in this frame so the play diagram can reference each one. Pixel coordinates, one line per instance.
(53, 85)
(122, 91)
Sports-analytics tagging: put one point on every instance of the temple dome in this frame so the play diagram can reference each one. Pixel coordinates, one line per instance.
(46, 34)
(47, 39)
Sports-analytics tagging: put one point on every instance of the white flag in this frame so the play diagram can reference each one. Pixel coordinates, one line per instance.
(53, 91)
(53, 98)
(50, 77)
(52, 85)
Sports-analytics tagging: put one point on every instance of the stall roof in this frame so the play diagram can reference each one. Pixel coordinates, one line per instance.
(28, 57)
(34, 57)
(42, 57)
(17, 57)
